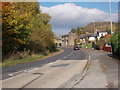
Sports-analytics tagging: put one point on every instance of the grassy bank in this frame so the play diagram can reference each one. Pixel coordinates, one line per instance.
(87, 45)
(28, 58)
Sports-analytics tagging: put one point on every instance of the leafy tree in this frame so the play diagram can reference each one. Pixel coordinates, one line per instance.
(25, 27)
(79, 30)
(73, 30)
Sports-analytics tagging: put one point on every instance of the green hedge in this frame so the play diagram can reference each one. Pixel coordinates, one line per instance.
(115, 41)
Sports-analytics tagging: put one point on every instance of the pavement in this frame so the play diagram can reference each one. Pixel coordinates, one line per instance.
(65, 70)
(102, 72)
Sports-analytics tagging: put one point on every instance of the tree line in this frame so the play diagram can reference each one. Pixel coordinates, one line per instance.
(78, 31)
(25, 27)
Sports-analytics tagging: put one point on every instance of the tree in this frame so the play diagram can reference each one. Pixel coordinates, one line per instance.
(25, 27)
(115, 41)
(73, 30)
(78, 31)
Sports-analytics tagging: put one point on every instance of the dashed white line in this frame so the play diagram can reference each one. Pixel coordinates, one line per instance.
(33, 69)
(65, 57)
(23, 71)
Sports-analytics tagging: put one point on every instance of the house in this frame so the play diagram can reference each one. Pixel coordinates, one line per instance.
(71, 38)
(101, 33)
(92, 37)
(97, 34)
(62, 40)
(89, 37)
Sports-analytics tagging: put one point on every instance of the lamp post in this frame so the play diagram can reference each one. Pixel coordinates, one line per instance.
(110, 16)
(94, 25)
(94, 32)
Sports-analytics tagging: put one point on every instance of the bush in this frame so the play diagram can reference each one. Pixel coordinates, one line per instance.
(99, 43)
(97, 47)
(115, 41)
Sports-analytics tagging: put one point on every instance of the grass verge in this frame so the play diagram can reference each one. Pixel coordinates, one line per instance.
(28, 58)
(9, 62)
(87, 45)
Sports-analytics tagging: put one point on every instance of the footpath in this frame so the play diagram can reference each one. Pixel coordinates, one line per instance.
(102, 72)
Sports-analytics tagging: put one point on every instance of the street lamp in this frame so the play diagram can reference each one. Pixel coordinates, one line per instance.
(110, 16)
(95, 33)
(94, 25)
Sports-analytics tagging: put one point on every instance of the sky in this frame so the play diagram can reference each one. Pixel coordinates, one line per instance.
(68, 15)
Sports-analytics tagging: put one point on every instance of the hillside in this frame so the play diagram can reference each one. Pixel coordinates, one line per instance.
(100, 26)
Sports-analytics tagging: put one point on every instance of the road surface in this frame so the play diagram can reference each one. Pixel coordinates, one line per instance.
(68, 54)
(65, 70)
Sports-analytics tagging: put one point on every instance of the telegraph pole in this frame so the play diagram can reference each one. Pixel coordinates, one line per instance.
(110, 16)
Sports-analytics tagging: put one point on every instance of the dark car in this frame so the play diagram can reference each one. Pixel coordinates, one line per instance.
(76, 47)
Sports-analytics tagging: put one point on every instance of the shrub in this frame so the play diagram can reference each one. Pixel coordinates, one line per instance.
(115, 41)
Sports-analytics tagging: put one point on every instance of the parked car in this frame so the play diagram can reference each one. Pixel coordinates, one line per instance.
(76, 47)
(107, 47)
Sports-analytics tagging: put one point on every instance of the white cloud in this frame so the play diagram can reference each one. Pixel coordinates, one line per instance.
(69, 15)
(76, 0)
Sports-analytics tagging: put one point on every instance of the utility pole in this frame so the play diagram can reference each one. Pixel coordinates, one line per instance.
(110, 16)
(94, 25)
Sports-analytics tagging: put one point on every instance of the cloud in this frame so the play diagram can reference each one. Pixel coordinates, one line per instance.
(76, 0)
(69, 15)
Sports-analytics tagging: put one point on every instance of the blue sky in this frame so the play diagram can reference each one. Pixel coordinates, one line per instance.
(100, 5)
(68, 15)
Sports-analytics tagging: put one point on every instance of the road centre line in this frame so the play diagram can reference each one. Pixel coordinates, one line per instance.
(52, 62)
(32, 69)
(22, 71)
(28, 70)
(67, 55)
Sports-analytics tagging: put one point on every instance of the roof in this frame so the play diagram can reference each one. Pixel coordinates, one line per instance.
(85, 36)
(108, 35)
(100, 31)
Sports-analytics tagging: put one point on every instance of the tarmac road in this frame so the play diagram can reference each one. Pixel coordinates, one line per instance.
(68, 54)
(64, 69)
(51, 72)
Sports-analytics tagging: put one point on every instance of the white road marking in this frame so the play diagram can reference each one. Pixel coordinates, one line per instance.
(33, 69)
(67, 56)
(22, 71)
(28, 70)
(52, 62)
(11, 75)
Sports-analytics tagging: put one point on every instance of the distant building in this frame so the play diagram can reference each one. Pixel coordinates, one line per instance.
(62, 40)
(92, 37)
(71, 38)
(101, 33)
